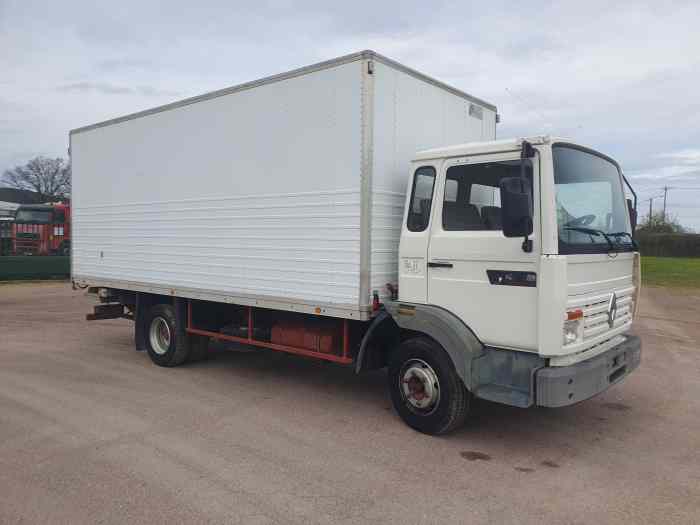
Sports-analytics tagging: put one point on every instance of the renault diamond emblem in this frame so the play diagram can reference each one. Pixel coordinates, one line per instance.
(612, 310)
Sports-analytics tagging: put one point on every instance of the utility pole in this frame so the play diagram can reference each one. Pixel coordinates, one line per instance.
(663, 214)
(651, 206)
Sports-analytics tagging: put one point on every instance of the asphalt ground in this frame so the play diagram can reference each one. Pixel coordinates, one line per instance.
(92, 432)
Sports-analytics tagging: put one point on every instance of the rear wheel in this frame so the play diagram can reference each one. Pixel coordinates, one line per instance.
(165, 345)
(425, 388)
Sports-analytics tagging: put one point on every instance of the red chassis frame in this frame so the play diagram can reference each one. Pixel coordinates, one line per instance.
(343, 359)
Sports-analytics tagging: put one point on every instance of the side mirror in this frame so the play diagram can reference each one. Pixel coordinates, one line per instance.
(633, 215)
(516, 208)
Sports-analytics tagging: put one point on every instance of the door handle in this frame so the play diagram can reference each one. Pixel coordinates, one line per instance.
(432, 264)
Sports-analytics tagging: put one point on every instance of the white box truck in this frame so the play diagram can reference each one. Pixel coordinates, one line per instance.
(360, 212)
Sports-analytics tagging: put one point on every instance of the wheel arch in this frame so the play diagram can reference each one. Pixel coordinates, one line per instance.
(382, 335)
(450, 332)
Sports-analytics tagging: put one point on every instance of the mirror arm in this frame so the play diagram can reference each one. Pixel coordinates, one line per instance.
(526, 152)
(634, 194)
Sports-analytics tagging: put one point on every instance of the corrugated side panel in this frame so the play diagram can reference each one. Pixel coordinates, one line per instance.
(410, 115)
(255, 193)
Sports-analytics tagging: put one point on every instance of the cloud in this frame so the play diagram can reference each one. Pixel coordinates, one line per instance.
(666, 171)
(124, 63)
(99, 87)
(111, 89)
(688, 157)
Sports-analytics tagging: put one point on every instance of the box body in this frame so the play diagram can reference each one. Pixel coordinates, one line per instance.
(285, 193)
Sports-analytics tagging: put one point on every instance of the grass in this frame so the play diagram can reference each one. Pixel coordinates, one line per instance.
(679, 272)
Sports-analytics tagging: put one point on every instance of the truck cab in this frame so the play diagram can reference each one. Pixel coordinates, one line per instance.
(42, 229)
(523, 251)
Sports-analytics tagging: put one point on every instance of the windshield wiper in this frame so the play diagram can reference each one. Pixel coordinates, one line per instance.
(592, 231)
(622, 234)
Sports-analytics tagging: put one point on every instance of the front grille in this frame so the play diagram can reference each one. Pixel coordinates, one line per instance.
(595, 312)
(28, 236)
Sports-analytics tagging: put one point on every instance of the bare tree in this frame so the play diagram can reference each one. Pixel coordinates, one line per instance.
(50, 178)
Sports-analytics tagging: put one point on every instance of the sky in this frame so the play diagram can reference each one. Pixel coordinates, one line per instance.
(622, 77)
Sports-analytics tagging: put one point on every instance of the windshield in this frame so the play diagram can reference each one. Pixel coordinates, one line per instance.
(591, 208)
(35, 216)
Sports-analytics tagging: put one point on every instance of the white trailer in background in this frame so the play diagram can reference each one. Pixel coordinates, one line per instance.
(276, 213)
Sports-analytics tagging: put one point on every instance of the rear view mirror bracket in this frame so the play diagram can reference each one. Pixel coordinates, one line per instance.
(526, 152)
(631, 206)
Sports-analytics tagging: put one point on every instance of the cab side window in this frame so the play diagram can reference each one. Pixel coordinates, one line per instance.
(421, 199)
(472, 200)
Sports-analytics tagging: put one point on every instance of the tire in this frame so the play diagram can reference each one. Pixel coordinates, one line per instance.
(425, 389)
(165, 344)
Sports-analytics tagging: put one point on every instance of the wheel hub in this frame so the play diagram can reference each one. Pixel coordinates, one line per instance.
(420, 386)
(159, 335)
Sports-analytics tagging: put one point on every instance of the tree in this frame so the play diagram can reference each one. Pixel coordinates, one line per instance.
(50, 178)
(657, 223)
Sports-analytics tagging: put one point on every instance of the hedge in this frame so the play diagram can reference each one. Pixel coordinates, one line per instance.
(34, 267)
(669, 244)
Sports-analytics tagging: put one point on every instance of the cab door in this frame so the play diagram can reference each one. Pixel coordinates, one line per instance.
(415, 234)
(473, 270)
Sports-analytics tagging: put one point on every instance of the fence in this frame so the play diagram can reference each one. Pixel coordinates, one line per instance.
(669, 244)
(34, 267)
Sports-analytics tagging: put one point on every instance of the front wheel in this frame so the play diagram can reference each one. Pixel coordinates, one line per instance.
(425, 388)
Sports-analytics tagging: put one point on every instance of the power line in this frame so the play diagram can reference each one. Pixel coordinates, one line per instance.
(652, 188)
(651, 203)
(665, 197)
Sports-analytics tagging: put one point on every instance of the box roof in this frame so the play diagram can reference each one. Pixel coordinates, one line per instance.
(367, 54)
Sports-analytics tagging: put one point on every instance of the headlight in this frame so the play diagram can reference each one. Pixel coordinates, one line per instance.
(573, 327)
(571, 331)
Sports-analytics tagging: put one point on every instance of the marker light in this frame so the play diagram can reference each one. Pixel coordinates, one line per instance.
(572, 315)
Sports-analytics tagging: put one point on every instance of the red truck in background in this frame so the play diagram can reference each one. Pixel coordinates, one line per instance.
(42, 229)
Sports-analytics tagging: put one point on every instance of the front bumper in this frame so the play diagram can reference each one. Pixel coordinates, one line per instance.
(566, 385)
